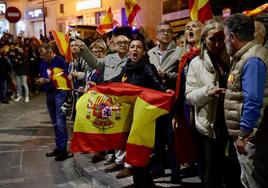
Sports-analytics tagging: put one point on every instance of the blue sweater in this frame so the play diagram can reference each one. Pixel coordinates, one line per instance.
(44, 66)
(253, 84)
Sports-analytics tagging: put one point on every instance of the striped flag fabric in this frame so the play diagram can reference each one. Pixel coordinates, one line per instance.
(132, 9)
(62, 42)
(119, 116)
(200, 10)
(108, 23)
(59, 78)
(256, 11)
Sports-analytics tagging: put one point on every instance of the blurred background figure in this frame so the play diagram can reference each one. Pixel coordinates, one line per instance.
(21, 72)
(260, 32)
(5, 70)
(98, 48)
(180, 40)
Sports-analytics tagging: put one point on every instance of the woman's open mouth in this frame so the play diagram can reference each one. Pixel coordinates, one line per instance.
(191, 35)
(134, 56)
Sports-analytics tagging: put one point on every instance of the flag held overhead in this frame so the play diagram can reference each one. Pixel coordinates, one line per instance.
(132, 9)
(200, 10)
(108, 23)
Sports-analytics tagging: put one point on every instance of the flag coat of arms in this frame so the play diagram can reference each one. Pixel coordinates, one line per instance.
(119, 116)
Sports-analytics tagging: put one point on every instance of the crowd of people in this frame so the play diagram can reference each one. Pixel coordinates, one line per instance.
(218, 70)
(19, 66)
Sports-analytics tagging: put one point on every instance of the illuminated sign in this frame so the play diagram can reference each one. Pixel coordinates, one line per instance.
(34, 14)
(89, 4)
(2, 8)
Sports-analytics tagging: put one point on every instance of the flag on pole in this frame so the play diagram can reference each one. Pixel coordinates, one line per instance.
(132, 9)
(62, 42)
(59, 78)
(108, 23)
(200, 10)
(256, 11)
(119, 116)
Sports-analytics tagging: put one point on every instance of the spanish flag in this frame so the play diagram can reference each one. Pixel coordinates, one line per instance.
(200, 10)
(59, 78)
(256, 11)
(132, 9)
(108, 23)
(119, 116)
(62, 42)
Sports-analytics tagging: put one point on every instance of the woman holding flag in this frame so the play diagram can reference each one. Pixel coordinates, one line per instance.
(139, 71)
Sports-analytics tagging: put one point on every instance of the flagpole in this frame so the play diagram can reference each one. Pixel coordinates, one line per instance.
(44, 19)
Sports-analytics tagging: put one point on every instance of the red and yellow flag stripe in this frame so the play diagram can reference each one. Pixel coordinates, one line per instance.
(256, 11)
(200, 10)
(60, 79)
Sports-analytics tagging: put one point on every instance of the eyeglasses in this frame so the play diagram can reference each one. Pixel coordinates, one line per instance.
(97, 51)
(162, 31)
(120, 43)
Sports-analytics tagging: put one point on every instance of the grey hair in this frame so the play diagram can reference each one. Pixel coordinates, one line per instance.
(163, 23)
(212, 24)
(241, 26)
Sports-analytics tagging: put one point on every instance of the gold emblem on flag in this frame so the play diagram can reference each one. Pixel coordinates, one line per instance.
(102, 110)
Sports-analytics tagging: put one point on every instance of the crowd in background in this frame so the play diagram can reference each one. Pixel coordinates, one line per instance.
(219, 75)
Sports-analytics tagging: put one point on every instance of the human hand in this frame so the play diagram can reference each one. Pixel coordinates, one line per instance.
(41, 81)
(89, 84)
(74, 74)
(81, 44)
(162, 74)
(216, 91)
(70, 76)
(241, 146)
(169, 91)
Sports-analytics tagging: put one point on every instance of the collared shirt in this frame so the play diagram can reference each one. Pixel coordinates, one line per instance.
(253, 84)
(160, 54)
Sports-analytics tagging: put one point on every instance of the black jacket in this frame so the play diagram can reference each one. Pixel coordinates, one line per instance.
(142, 73)
(5, 68)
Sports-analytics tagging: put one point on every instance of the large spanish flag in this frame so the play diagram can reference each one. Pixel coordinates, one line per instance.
(256, 11)
(132, 9)
(59, 78)
(200, 10)
(108, 23)
(119, 116)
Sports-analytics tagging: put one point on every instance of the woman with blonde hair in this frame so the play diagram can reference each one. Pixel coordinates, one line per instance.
(205, 88)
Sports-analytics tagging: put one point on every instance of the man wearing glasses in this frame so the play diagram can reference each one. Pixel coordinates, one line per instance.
(111, 64)
(165, 56)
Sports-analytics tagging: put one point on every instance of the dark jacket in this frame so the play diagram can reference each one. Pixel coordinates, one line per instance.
(21, 64)
(5, 68)
(142, 73)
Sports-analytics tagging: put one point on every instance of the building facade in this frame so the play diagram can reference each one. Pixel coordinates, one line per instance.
(39, 16)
